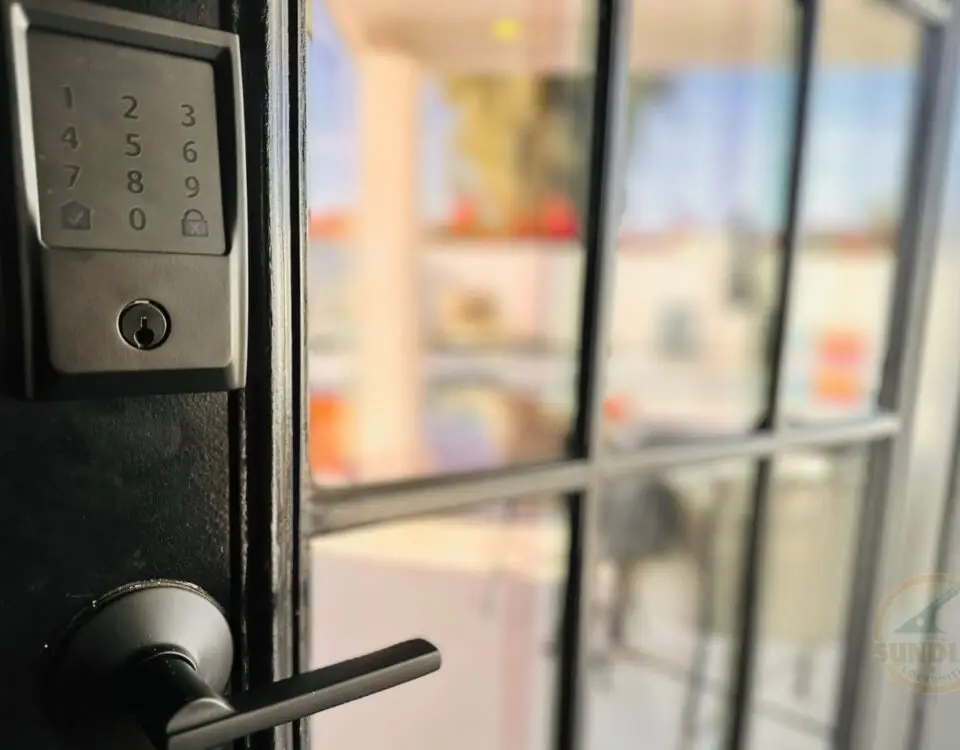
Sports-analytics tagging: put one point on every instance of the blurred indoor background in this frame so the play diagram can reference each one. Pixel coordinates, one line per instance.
(448, 167)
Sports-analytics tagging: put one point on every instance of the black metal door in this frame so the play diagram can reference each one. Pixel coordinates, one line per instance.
(201, 488)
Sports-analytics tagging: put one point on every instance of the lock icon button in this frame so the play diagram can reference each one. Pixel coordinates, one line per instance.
(194, 224)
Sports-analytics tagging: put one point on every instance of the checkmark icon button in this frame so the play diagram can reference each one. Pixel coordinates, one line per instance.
(74, 215)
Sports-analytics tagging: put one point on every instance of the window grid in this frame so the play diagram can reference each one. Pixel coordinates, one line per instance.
(582, 474)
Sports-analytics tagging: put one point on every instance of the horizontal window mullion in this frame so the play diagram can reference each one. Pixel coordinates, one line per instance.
(332, 510)
(933, 12)
(365, 505)
(757, 445)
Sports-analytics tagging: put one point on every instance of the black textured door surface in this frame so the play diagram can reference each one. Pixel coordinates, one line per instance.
(94, 494)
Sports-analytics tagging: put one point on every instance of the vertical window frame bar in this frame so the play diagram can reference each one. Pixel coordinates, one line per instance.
(875, 714)
(751, 571)
(613, 35)
(925, 725)
(299, 22)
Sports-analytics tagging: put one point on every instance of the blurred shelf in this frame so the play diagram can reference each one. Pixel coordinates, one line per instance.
(335, 369)
(543, 368)
(684, 395)
(498, 244)
(440, 244)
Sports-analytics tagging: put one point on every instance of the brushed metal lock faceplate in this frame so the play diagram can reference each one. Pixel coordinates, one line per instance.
(130, 187)
(126, 147)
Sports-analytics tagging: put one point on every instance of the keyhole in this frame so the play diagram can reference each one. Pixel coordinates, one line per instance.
(144, 335)
(143, 325)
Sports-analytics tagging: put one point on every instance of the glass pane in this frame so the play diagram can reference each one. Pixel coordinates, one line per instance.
(447, 170)
(812, 535)
(486, 587)
(852, 199)
(710, 118)
(664, 629)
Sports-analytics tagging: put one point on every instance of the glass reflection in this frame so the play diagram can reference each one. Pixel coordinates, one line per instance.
(666, 613)
(856, 169)
(664, 619)
(699, 245)
(447, 168)
(812, 534)
(485, 587)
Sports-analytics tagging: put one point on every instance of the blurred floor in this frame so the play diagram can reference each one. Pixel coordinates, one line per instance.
(437, 579)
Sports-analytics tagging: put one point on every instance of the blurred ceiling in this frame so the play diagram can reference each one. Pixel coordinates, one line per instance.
(501, 36)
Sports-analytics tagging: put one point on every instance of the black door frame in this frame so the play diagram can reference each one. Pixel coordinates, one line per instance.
(200, 487)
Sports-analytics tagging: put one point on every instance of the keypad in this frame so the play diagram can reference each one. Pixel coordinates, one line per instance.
(127, 152)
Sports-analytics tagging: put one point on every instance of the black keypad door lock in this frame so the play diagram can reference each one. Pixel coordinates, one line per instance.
(145, 667)
(130, 187)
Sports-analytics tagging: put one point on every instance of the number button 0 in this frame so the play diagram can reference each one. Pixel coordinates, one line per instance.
(138, 219)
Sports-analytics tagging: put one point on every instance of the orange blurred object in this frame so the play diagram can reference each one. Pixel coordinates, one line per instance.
(616, 409)
(839, 386)
(524, 225)
(328, 225)
(329, 434)
(843, 346)
(559, 218)
(464, 216)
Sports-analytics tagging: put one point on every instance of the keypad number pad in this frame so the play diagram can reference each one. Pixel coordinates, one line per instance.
(127, 153)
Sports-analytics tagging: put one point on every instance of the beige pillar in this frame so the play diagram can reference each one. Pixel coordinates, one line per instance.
(388, 243)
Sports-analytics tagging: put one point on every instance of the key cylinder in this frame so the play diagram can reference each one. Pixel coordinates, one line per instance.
(144, 324)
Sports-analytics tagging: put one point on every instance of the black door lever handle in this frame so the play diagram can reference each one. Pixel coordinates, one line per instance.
(161, 653)
(210, 720)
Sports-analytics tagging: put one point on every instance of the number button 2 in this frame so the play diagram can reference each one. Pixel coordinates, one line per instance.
(132, 104)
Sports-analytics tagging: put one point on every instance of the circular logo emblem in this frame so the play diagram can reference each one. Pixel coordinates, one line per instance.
(917, 607)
